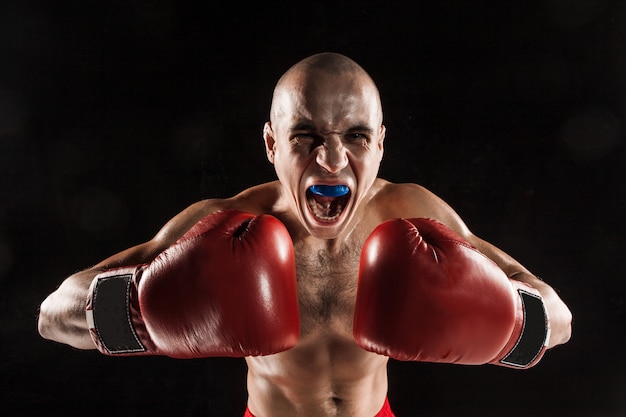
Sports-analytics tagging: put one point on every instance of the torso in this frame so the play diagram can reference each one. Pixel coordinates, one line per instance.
(326, 374)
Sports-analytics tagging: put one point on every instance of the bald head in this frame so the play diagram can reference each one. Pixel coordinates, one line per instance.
(330, 62)
(317, 69)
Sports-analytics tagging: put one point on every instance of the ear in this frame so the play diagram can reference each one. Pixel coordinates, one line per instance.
(381, 141)
(270, 142)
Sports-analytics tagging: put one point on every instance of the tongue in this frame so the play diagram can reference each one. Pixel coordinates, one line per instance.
(330, 190)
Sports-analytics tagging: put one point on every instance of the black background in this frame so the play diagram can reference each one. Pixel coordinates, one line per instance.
(114, 116)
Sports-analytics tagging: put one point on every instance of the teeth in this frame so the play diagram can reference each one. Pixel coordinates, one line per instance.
(326, 208)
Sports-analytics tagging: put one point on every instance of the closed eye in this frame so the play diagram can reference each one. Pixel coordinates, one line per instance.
(359, 133)
(358, 138)
(305, 139)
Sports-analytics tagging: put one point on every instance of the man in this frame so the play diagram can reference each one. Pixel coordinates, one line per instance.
(312, 345)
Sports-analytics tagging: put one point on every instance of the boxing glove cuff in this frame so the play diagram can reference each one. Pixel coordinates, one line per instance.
(113, 316)
(529, 339)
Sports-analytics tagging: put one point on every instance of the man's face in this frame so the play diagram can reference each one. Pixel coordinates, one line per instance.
(325, 140)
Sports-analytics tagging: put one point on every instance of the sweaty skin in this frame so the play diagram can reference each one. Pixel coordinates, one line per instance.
(325, 129)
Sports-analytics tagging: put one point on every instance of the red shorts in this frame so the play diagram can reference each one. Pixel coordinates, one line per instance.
(384, 412)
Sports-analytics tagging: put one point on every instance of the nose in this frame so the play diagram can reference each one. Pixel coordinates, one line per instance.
(332, 157)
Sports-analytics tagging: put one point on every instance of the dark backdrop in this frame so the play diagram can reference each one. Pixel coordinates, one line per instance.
(114, 116)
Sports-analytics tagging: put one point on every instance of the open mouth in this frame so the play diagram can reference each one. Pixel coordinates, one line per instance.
(327, 202)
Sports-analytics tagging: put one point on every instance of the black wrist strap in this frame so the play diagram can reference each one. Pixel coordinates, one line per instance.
(110, 316)
(534, 335)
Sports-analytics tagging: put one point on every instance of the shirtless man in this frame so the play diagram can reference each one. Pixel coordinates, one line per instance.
(325, 139)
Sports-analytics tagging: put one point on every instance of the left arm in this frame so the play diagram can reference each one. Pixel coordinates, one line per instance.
(558, 313)
(412, 200)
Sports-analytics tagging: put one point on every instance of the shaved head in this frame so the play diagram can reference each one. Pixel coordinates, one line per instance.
(325, 130)
(316, 68)
(328, 61)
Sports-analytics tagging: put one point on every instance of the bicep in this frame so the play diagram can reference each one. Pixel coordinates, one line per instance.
(136, 255)
(420, 202)
(505, 261)
(425, 204)
(165, 237)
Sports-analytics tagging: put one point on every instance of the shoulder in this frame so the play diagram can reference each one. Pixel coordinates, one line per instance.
(254, 200)
(409, 200)
(405, 199)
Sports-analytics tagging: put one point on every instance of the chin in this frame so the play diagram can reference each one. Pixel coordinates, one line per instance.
(325, 232)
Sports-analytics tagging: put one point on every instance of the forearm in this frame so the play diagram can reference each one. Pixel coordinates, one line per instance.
(558, 313)
(62, 314)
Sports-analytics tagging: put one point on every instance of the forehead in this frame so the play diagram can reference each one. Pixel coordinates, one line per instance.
(327, 101)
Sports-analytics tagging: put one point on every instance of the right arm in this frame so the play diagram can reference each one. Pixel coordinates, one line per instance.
(62, 314)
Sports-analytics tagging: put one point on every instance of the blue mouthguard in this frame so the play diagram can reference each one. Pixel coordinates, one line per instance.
(329, 190)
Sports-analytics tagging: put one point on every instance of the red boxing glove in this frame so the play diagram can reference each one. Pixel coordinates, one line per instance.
(226, 288)
(424, 294)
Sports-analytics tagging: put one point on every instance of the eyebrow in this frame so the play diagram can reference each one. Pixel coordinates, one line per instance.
(360, 128)
(308, 126)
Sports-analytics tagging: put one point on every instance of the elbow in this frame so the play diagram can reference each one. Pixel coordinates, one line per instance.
(558, 314)
(561, 327)
(567, 327)
(56, 324)
(45, 321)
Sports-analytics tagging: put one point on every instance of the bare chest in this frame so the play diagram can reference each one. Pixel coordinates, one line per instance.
(327, 285)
